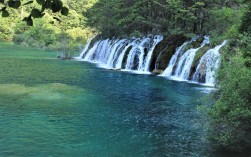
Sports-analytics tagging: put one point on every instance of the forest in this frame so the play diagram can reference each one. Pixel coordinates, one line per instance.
(230, 108)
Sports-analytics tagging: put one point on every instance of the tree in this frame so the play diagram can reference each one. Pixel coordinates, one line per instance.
(53, 5)
(246, 20)
(118, 17)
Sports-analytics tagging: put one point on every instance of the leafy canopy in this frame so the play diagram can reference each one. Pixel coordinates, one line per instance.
(54, 5)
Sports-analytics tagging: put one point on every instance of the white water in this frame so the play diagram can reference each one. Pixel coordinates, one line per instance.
(113, 54)
(147, 61)
(116, 47)
(103, 48)
(85, 49)
(135, 52)
(91, 52)
(208, 65)
(122, 55)
(117, 53)
(185, 62)
(173, 60)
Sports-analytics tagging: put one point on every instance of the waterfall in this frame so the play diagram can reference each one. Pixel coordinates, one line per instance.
(102, 62)
(173, 60)
(144, 58)
(146, 65)
(185, 62)
(111, 53)
(114, 51)
(91, 52)
(122, 55)
(85, 49)
(208, 65)
(103, 48)
(135, 55)
(135, 52)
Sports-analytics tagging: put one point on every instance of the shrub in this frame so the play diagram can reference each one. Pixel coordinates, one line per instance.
(231, 114)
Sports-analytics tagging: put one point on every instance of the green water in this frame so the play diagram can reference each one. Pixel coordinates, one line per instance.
(50, 107)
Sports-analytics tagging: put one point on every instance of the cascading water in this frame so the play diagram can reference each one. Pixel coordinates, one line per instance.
(91, 52)
(102, 62)
(135, 55)
(85, 49)
(102, 49)
(117, 53)
(135, 52)
(169, 69)
(208, 65)
(146, 64)
(119, 62)
(114, 50)
(185, 62)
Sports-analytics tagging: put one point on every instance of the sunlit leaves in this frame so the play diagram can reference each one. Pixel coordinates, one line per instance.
(54, 5)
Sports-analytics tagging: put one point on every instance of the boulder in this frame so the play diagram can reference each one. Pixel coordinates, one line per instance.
(157, 72)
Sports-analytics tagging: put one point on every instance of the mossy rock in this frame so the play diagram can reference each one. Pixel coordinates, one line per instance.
(197, 58)
(194, 44)
(198, 42)
(157, 72)
(165, 50)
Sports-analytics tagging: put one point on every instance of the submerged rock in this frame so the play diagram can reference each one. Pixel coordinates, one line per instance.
(157, 72)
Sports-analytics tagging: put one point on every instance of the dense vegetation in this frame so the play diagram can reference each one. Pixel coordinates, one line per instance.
(134, 17)
(222, 19)
(52, 31)
(231, 113)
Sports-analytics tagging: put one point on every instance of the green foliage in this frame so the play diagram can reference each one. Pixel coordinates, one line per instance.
(246, 20)
(6, 32)
(118, 17)
(231, 114)
(6, 26)
(53, 5)
(224, 20)
(244, 42)
(47, 31)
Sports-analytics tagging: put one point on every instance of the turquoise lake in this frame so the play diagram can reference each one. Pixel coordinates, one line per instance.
(55, 108)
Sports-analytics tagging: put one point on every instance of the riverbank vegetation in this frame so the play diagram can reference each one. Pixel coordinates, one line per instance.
(221, 19)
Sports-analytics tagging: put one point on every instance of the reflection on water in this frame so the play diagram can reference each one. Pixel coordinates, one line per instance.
(56, 108)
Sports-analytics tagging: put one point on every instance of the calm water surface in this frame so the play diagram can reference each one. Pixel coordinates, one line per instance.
(50, 107)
